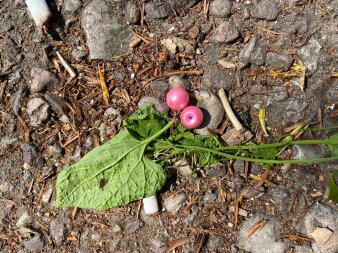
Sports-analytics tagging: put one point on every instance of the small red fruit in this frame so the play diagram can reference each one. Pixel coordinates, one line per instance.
(191, 117)
(177, 98)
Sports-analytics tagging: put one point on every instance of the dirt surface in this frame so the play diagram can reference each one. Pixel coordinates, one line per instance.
(46, 126)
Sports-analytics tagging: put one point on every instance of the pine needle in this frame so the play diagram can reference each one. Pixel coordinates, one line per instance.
(261, 116)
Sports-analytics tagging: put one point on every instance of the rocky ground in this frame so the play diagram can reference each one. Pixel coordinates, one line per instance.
(50, 119)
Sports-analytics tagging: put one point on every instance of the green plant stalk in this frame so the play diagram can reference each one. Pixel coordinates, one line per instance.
(235, 157)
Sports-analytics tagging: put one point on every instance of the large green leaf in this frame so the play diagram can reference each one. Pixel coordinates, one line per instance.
(111, 175)
(145, 122)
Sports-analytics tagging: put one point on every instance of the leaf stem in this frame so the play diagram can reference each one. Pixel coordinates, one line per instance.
(159, 133)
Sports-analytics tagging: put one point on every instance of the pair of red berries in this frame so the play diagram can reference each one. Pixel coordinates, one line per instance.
(178, 99)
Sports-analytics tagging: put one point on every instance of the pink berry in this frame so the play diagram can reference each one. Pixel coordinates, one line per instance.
(177, 98)
(191, 117)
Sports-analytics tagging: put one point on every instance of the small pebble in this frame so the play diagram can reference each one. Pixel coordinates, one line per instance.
(174, 203)
(226, 32)
(35, 244)
(38, 111)
(266, 9)
(133, 13)
(220, 8)
(133, 226)
(42, 80)
(157, 10)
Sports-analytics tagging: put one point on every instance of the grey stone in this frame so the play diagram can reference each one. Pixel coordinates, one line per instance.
(57, 103)
(323, 216)
(158, 244)
(266, 9)
(106, 37)
(174, 203)
(287, 112)
(212, 109)
(176, 44)
(71, 6)
(280, 195)
(38, 111)
(182, 3)
(15, 78)
(183, 168)
(212, 53)
(30, 153)
(219, 171)
(309, 55)
(302, 249)
(55, 151)
(42, 80)
(215, 242)
(210, 197)
(226, 32)
(253, 52)
(6, 186)
(278, 94)
(58, 229)
(132, 12)
(35, 244)
(133, 226)
(220, 8)
(215, 78)
(263, 240)
(157, 10)
(78, 54)
(16, 99)
(278, 60)
(302, 152)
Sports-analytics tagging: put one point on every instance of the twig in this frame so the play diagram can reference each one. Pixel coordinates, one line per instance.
(238, 126)
(178, 243)
(185, 72)
(141, 37)
(66, 65)
(74, 213)
(257, 226)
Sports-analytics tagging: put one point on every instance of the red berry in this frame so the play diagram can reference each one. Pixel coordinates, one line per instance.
(191, 117)
(177, 98)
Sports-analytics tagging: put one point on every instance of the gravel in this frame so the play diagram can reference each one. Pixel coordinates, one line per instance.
(133, 12)
(220, 8)
(133, 226)
(174, 203)
(58, 229)
(226, 32)
(71, 6)
(253, 52)
(35, 244)
(157, 10)
(42, 80)
(309, 55)
(215, 78)
(38, 111)
(265, 9)
(278, 60)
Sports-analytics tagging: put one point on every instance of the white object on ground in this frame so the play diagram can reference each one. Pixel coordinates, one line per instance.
(150, 205)
(40, 11)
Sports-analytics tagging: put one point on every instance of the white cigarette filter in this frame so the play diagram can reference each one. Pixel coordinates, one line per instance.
(40, 11)
(150, 205)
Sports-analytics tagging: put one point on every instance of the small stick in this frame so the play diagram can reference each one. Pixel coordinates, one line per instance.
(269, 31)
(238, 126)
(141, 37)
(185, 72)
(259, 225)
(66, 65)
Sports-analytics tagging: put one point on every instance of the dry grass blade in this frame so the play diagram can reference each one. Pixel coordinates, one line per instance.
(66, 65)
(178, 243)
(258, 225)
(74, 213)
(141, 37)
(263, 179)
(269, 31)
(236, 210)
(103, 86)
(298, 238)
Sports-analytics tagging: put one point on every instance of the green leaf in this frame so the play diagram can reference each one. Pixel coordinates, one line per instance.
(182, 136)
(145, 122)
(111, 175)
(334, 148)
(333, 188)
